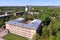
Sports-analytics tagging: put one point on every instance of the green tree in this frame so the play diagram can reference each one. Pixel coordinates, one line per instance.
(52, 37)
(58, 35)
(47, 21)
(1, 22)
(44, 30)
(36, 37)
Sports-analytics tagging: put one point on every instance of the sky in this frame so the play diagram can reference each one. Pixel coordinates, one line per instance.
(30, 2)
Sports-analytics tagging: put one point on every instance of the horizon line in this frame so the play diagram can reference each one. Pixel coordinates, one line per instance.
(36, 5)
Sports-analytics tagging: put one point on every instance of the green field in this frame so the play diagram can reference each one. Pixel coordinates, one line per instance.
(11, 36)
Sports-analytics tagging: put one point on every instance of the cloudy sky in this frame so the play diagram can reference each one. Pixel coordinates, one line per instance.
(29, 2)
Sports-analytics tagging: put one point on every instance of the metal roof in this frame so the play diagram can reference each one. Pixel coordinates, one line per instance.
(33, 25)
(19, 19)
(4, 15)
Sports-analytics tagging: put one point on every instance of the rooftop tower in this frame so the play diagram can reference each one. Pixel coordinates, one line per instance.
(27, 8)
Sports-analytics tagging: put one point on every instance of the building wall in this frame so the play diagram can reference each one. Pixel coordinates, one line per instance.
(25, 32)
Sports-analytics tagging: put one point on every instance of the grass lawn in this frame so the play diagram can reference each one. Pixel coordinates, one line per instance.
(11, 36)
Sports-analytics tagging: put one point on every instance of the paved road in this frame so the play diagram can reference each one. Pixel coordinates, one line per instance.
(1, 29)
(3, 33)
(1, 38)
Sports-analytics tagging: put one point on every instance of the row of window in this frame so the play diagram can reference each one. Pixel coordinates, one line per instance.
(22, 31)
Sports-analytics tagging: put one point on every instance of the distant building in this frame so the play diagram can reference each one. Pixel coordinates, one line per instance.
(18, 13)
(27, 8)
(4, 16)
(24, 27)
(31, 13)
(6, 12)
(9, 12)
